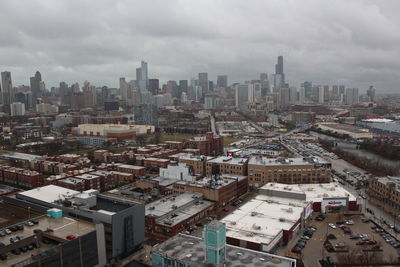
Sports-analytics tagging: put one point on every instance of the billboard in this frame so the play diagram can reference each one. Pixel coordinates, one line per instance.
(333, 202)
(308, 210)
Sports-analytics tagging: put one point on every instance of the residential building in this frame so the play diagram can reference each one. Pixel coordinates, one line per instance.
(17, 109)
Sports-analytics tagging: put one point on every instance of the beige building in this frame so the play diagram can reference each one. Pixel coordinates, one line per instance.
(346, 129)
(262, 170)
(385, 192)
(227, 165)
(112, 130)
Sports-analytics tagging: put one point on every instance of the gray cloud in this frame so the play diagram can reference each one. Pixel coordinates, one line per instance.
(352, 42)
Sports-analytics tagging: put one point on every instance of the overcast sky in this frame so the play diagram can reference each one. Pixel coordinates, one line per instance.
(356, 43)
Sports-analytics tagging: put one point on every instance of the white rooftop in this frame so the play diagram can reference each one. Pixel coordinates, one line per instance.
(313, 192)
(228, 160)
(49, 193)
(258, 160)
(262, 218)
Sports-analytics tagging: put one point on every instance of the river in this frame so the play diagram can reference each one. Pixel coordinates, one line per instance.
(352, 148)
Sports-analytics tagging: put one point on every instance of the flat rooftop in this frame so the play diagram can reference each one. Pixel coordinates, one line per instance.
(56, 229)
(313, 192)
(133, 167)
(228, 160)
(49, 193)
(18, 156)
(262, 218)
(172, 210)
(224, 180)
(258, 160)
(190, 249)
(345, 127)
(390, 179)
(188, 156)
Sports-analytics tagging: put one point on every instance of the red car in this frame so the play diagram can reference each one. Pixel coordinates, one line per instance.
(70, 237)
(371, 242)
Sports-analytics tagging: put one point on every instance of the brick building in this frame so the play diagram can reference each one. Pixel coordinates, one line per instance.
(223, 190)
(227, 165)
(262, 170)
(208, 145)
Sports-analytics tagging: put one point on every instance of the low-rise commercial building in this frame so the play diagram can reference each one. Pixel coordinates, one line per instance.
(346, 129)
(212, 250)
(222, 189)
(262, 170)
(171, 215)
(227, 165)
(123, 221)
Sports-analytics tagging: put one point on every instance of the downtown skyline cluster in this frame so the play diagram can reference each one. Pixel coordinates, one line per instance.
(355, 43)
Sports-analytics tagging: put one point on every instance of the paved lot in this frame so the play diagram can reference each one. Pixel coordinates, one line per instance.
(314, 250)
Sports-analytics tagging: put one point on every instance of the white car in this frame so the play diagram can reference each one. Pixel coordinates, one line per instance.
(331, 225)
(350, 223)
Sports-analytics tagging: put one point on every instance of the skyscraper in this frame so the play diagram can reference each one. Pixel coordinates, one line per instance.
(35, 87)
(142, 79)
(321, 94)
(183, 86)
(371, 93)
(154, 85)
(241, 94)
(307, 85)
(123, 88)
(203, 81)
(7, 93)
(264, 84)
(222, 81)
(351, 96)
(279, 77)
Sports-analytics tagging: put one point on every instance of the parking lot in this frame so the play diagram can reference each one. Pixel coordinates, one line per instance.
(361, 243)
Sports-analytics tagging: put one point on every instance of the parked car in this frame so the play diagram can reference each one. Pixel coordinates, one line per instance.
(331, 236)
(360, 243)
(354, 236)
(340, 245)
(331, 225)
(296, 249)
(350, 223)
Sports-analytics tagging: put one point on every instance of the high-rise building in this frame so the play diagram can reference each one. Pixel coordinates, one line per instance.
(351, 96)
(142, 79)
(279, 77)
(154, 85)
(183, 86)
(307, 85)
(203, 81)
(326, 93)
(222, 81)
(173, 89)
(264, 84)
(284, 94)
(341, 89)
(321, 94)
(241, 94)
(35, 87)
(123, 88)
(371, 93)
(302, 95)
(7, 93)
(292, 95)
(210, 85)
(17, 109)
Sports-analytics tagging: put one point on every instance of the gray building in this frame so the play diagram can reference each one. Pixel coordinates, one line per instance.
(279, 77)
(154, 85)
(7, 93)
(351, 96)
(35, 87)
(183, 86)
(203, 81)
(142, 79)
(241, 94)
(222, 81)
(123, 221)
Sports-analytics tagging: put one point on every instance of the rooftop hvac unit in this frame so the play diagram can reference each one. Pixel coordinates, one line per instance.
(253, 213)
(332, 189)
(325, 195)
(233, 223)
(282, 219)
(174, 207)
(289, 210)
(151, 208)
(257, 227)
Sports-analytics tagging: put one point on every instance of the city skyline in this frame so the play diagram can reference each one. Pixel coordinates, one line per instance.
(349, 43)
